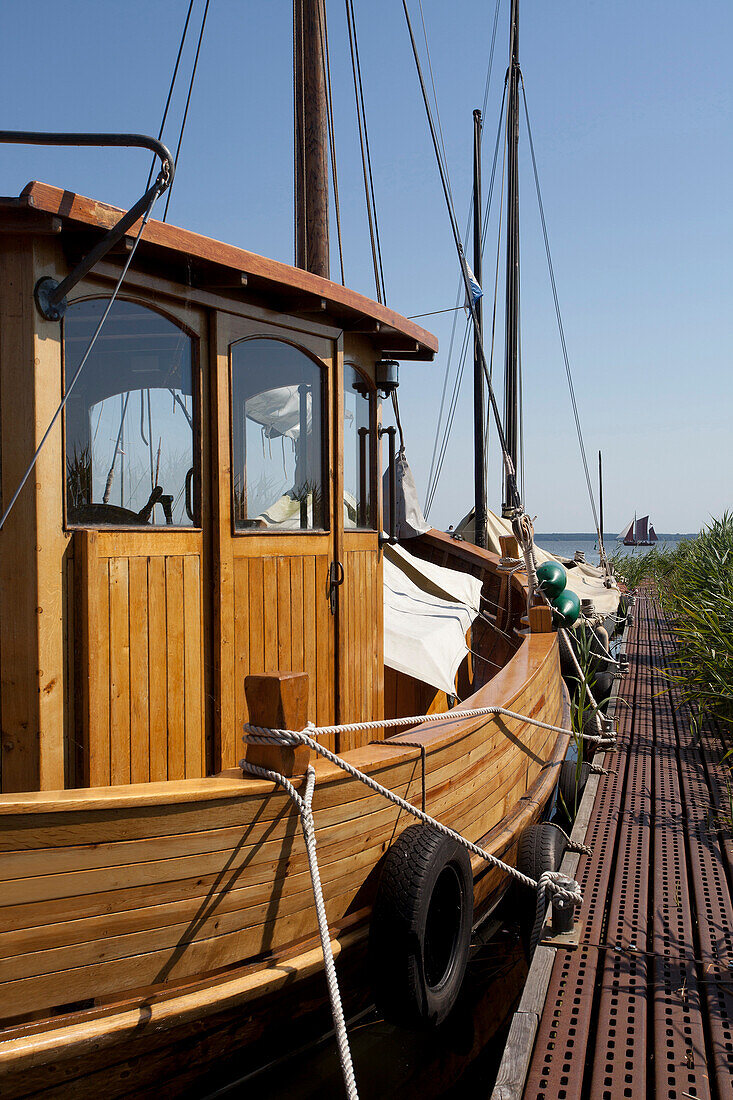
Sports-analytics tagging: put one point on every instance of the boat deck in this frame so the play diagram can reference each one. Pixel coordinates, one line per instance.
(644, 1006)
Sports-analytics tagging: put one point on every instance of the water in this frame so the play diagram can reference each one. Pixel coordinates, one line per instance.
(565, 544)
(459, 1061)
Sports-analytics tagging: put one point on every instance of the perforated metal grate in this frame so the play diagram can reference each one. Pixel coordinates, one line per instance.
(645, 1006)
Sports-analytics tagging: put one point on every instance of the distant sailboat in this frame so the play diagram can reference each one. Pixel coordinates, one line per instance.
(639, 532)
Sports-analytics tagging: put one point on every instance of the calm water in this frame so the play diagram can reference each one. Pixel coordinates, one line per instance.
(565, 544)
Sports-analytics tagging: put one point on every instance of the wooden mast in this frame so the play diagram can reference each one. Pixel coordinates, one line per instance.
(479, 410)
(511, 342)
(311, 137)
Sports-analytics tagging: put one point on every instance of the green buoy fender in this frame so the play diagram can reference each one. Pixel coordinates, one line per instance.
(551, 579)
(566, 608)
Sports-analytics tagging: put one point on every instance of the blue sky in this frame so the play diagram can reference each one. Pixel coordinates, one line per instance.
(631, 108)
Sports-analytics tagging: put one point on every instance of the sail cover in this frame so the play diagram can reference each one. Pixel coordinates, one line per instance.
(428, 610)
(586, 580)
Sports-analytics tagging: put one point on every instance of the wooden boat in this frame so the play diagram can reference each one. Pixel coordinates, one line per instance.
(639, 532)
(156, 914)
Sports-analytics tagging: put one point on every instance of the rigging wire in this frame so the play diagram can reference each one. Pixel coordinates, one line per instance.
(366, 158)
(323, 27)
(439, 449)
(188, 101)
(172, 86)
(561, 329)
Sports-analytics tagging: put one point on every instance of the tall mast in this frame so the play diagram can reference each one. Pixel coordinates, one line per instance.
(600, 504)
(511, 341)
(479, 411)
(311, 137)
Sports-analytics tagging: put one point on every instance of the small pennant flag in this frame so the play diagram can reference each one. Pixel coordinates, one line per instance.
(476, 291)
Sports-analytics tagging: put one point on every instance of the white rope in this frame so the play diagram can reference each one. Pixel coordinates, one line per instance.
(264, 735)
(304, 805)
(548, 886)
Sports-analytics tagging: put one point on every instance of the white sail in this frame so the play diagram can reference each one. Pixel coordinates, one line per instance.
(628, 532)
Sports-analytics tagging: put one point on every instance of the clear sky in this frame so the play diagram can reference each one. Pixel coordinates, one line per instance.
(631, 111)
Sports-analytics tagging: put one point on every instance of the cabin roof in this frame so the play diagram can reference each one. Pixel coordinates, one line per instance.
(211, 264)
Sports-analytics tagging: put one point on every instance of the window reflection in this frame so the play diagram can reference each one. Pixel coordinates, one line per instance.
(129, 419)
(359, 450)
(277, 437)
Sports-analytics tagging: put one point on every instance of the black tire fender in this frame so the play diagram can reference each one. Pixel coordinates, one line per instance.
(541, 849)
(420, 929)
(571, 783)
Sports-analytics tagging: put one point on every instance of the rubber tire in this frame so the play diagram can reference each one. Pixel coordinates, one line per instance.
(541, 849)
(567, 781)
(420, 929)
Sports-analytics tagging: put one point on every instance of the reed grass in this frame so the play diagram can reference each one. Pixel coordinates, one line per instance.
(695, 585)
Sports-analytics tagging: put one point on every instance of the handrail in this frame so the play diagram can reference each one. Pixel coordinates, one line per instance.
(50, 296)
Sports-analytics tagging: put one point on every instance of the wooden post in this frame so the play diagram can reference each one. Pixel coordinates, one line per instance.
(278, 700)
(540, 619)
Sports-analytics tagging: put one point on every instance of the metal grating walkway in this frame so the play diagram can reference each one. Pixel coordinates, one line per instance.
(644, 1007)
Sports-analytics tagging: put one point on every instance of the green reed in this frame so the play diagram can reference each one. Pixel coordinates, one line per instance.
(695, 584)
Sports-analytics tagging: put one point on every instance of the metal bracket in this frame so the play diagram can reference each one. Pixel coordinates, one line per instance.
(50, 296)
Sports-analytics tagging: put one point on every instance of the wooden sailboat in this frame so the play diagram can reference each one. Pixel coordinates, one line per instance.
(639, 532)
(206, 511)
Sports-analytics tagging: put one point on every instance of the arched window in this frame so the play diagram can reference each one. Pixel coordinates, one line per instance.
(130, 455)
(359, 450)
(278, 478)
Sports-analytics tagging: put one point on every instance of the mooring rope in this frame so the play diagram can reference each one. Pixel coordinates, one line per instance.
(550, 884)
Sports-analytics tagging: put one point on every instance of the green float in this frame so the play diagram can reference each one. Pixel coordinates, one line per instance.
(551, 579)
(566, 608)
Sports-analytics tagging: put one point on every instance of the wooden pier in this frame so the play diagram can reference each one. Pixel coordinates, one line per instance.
(644, 1006)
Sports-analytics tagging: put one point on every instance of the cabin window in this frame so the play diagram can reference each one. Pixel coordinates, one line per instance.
(278, 423)
(359, 450)
(130, 454)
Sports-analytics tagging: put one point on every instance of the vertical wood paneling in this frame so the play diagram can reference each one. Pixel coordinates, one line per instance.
(119, 670)
(309, 630)
(100, 769)
(296, 615)
(284, 624)
(360, 624)
(176, 668)
(145, 667)
(158, 679)
(324, 651)
(270, 613)
(241, 633)
(192, 632)
(139, 700)
(256, 616)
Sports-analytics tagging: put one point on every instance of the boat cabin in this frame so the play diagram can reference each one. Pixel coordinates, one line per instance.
(206, 507)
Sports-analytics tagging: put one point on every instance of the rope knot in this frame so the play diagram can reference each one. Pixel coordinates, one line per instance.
(264, 735)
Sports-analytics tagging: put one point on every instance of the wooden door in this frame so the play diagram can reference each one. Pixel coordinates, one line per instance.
(140, 569)
(276, 532)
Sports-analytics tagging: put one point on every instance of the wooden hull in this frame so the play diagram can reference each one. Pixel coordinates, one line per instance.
(161, 913)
